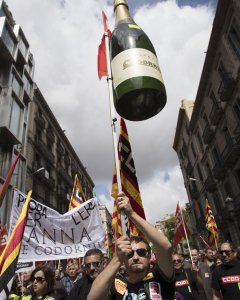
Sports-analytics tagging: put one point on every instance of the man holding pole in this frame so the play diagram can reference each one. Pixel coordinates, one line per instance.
(135, 253)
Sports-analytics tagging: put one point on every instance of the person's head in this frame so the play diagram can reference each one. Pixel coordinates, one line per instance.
(227, 252)
(177, 261)
(209, 254)
(43, 280)
(27, 276)
(195, 255)
(72, 269)
(139, 259)
(93, 263)
(218, 260)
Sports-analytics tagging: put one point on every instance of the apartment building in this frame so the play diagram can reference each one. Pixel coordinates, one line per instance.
(207, 138)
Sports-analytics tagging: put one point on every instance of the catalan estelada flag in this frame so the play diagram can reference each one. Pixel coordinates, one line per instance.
(5, 185)
(78, 195)
(128, 181)
(211, 225)
(9, 257)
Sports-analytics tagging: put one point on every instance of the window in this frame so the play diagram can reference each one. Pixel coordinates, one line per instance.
(234, 40)
(16, 86)
(27, 84)
(22, 46)
(15, 118)
(236, 109)
(215, 155)
(221, 70)
(193, 150)
(7, 39)
(199, 173)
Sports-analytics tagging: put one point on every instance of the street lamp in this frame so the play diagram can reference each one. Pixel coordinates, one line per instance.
(37, 171)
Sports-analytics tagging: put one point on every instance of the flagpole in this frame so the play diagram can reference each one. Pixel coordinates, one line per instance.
(113, 125)
(184, 228)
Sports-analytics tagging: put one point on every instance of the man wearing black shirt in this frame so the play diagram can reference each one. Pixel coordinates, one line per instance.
(185, 283)
(140, 282)
(93, 263)
(226, 277)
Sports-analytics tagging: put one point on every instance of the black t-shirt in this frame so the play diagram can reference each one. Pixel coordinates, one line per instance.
(227, 279)
(182, 286)
(80, 289)
(154, 286)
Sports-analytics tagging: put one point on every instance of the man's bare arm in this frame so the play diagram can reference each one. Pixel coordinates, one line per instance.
(216, 295)
(160, 241)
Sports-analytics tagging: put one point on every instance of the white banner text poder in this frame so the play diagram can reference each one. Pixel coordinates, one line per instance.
(49, 235)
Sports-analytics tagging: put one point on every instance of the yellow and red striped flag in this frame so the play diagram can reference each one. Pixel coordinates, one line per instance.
(211, 225)
(78, 195)
(128, 181)
(5, 185)
(9, 257)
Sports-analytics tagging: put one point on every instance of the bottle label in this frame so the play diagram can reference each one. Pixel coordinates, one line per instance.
(134, 62)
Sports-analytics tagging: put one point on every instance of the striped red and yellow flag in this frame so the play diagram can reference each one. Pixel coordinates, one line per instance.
(5, 185)
(128, 181)
(211, 225)
(9, 257)
(78, 195)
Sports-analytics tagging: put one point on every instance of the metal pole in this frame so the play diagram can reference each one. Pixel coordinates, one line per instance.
(113, 121)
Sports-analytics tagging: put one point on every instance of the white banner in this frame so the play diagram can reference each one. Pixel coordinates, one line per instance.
(49, 235)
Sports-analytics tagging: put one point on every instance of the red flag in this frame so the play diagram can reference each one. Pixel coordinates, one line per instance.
(102, 59)
(128, 180)
(8, 178)
(3, 238)
(179, 233)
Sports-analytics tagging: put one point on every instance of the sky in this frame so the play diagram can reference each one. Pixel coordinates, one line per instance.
(64, 38)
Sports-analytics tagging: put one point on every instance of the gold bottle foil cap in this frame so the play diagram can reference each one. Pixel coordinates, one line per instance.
(118, 2)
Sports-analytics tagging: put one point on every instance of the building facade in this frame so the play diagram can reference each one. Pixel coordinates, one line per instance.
(16, 92)
(52, 163)
(207, 139)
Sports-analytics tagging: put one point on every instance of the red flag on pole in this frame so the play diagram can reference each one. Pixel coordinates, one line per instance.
(102, 60)
(5, 185)
(179, 233)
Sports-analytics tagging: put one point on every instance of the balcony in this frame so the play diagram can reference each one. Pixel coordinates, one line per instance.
(8, 43)
(64, 174)
(60, 149)
(216, 114)
(41, 147)
(40, 120)
(219, 171)
(50, 136)
(226, 87)
(62, 195)
(208, 134)
(210, 184)
(48, 181)
(7, 138)
(231, 153)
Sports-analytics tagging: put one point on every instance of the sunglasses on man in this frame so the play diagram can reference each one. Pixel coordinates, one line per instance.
(95, 264)
(177, 260)
(140, 252)
(227, 252)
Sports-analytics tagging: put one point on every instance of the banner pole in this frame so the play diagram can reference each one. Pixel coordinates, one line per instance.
(113, 125)
(185, 232)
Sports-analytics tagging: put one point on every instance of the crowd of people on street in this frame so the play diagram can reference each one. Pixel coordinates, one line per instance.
(134, 273)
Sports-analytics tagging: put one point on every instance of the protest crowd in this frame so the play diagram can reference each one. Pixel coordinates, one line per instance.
(135, 272)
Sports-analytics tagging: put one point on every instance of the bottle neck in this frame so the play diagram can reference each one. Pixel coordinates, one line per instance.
(122, 13)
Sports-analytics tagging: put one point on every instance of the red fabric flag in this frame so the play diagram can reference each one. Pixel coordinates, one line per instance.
(5, 185)
(102, 59)
(179, 234)
(3, 238)
(128, 181)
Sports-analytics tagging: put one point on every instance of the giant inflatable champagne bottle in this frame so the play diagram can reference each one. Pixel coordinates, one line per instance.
(139, 91)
